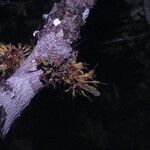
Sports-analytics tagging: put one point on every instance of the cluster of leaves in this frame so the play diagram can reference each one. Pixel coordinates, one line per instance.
(72, 74)
(11, 57)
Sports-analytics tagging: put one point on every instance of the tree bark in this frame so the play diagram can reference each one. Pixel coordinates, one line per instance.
(61, 29)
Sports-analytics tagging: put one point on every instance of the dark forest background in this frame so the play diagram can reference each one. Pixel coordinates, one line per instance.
(116, 39)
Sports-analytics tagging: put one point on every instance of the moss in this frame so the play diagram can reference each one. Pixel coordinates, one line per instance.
(73, 75)
(11, 57)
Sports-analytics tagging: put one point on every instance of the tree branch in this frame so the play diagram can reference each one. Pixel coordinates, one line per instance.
(62, 28)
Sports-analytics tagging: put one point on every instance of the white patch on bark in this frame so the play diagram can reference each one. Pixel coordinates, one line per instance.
(35, 32)
(45, 16)
(56, 22)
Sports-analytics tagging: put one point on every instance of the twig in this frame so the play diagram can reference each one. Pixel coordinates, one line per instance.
(131, 38)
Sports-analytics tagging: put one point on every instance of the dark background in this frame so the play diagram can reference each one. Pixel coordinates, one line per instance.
(116, 39)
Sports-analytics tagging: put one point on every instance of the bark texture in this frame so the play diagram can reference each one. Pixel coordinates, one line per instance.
(61, 29)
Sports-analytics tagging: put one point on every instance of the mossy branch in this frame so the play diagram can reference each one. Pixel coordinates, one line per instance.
(61, 29)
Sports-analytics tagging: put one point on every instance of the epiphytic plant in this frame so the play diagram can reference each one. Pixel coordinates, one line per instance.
(72, 74)
(11, 57)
